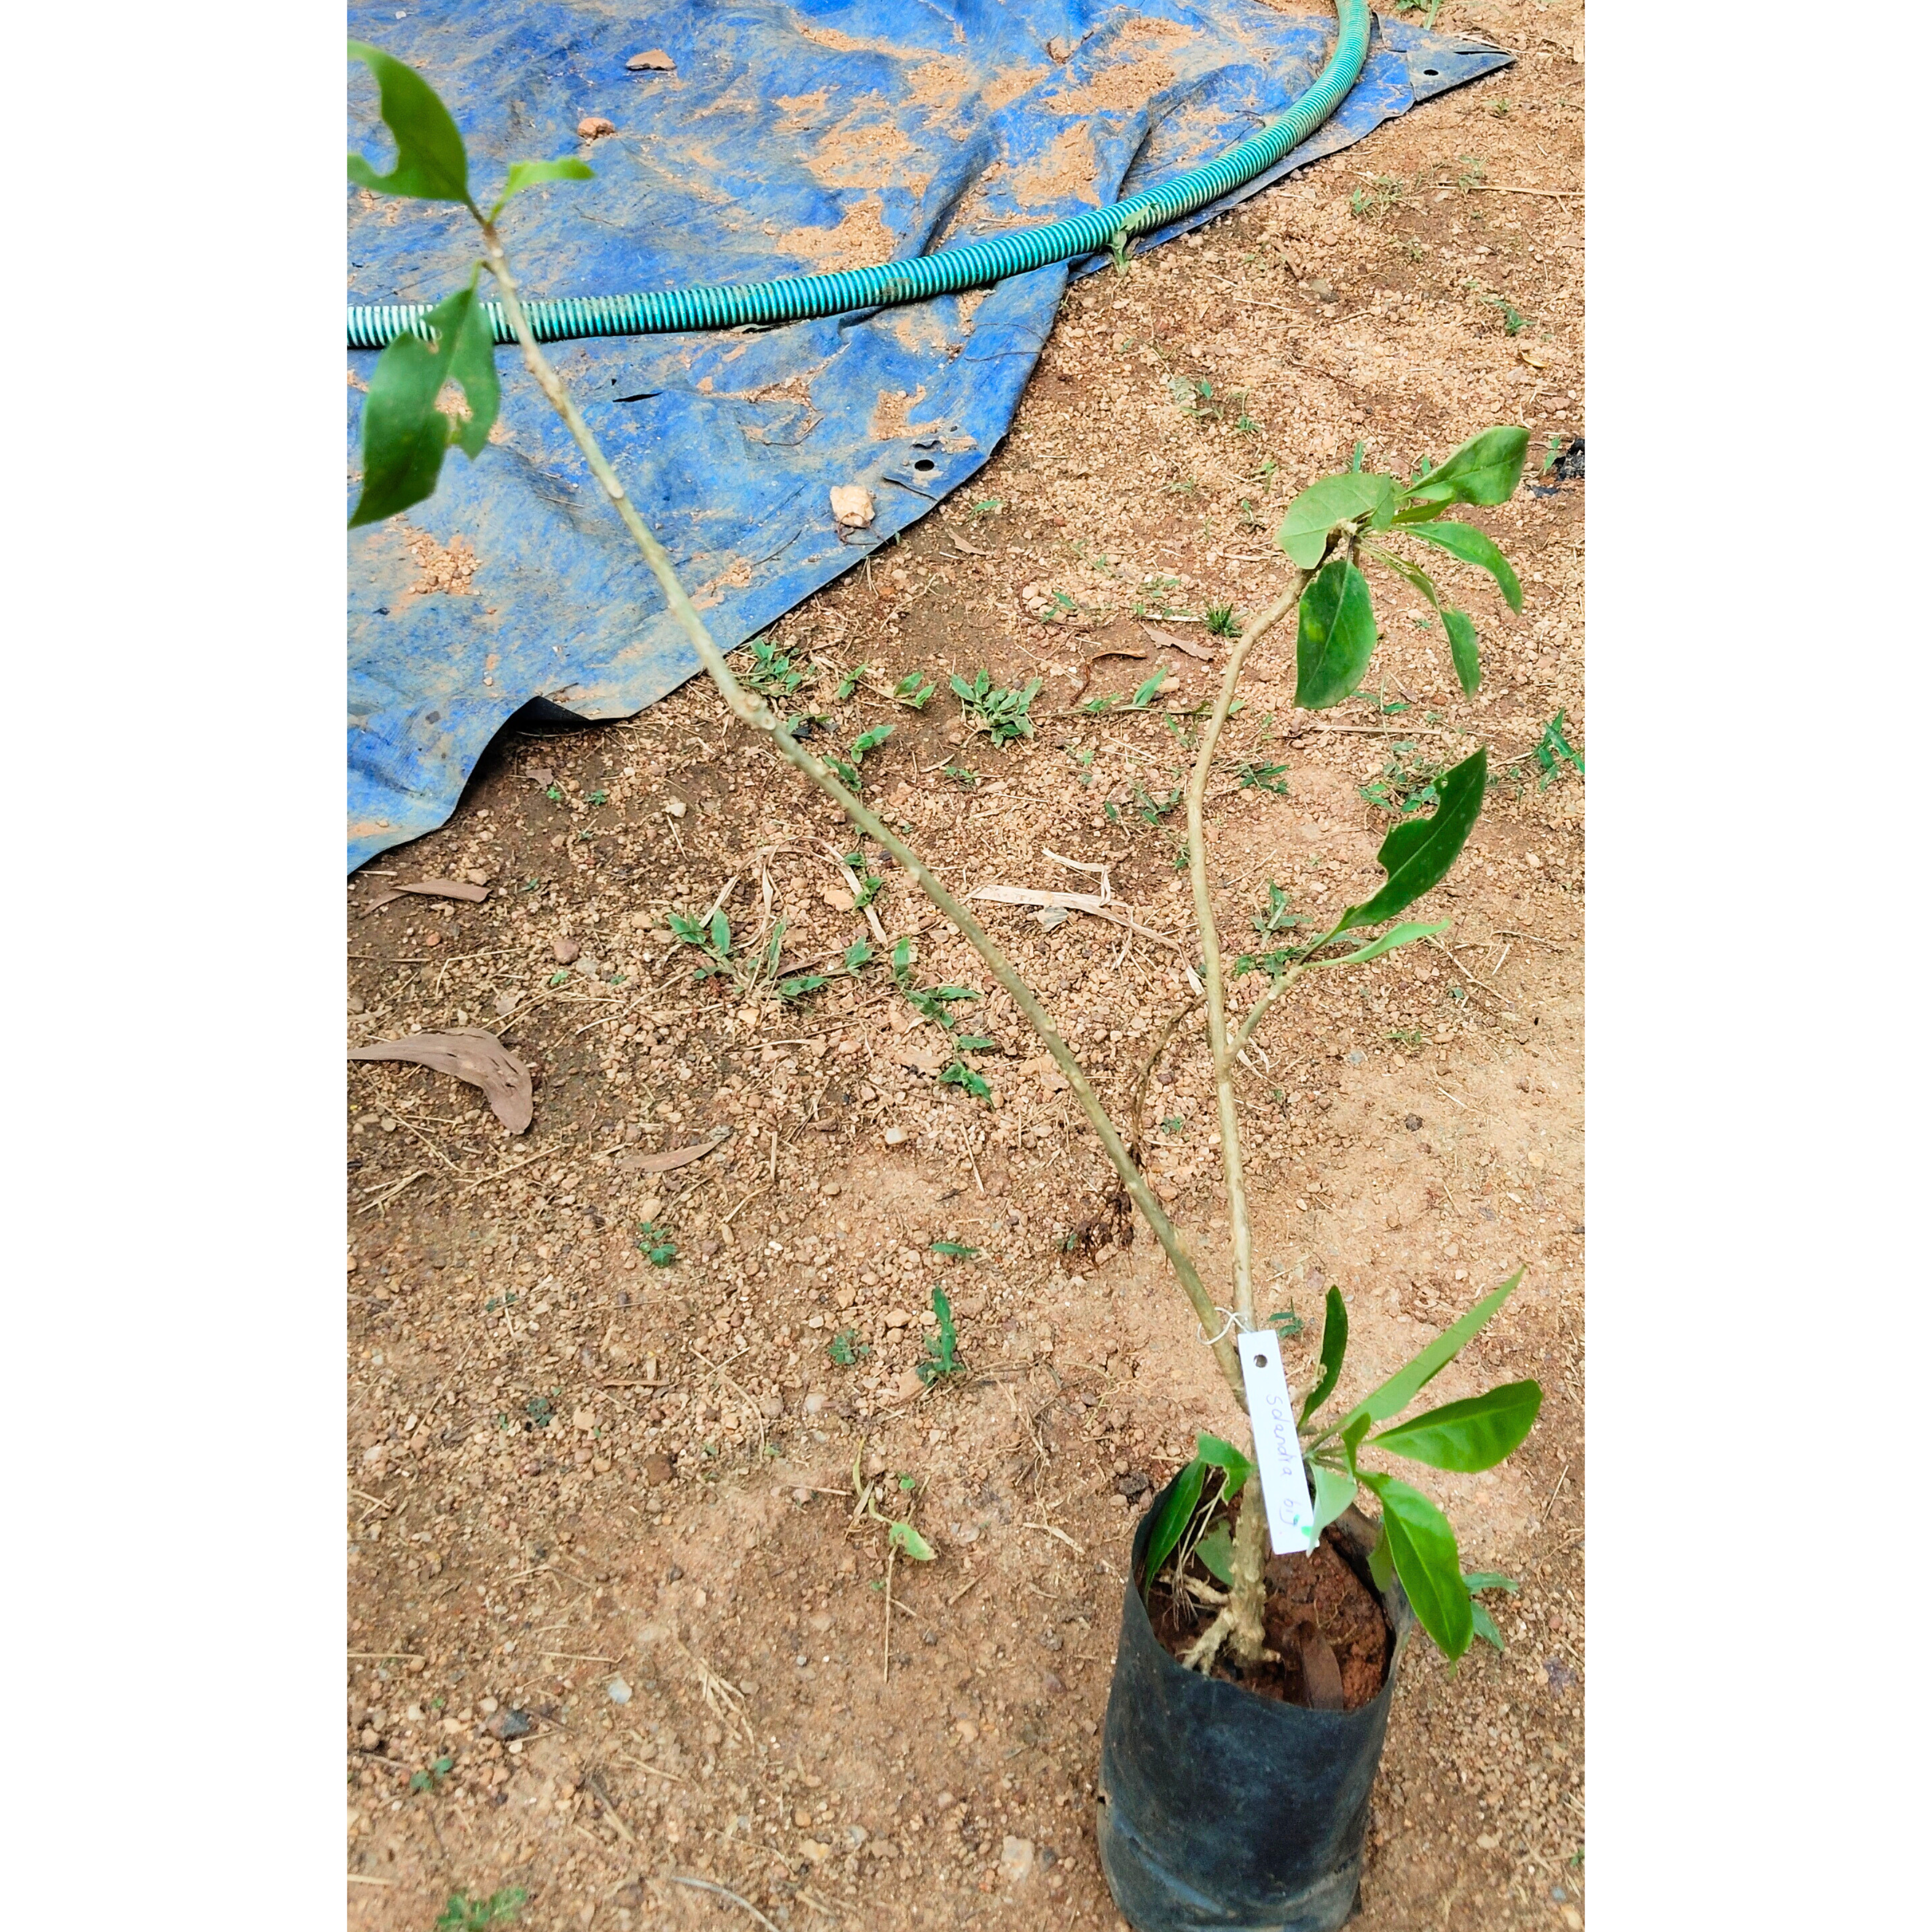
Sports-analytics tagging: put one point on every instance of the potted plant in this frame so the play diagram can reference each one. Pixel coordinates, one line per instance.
(1250, 1695)
(1240, 1746)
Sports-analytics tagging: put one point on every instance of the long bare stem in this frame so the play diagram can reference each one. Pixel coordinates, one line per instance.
(1257, 628)
(752, 712)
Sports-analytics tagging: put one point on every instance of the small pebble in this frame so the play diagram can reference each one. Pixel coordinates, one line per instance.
(618, 1691)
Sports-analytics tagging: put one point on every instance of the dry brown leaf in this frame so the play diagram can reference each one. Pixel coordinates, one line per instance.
(655, 61)
(478, 1057)
(447, 888)
(635, 1163)
(1185, 645)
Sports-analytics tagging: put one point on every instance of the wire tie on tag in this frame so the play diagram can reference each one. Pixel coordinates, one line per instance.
(1233, 1322)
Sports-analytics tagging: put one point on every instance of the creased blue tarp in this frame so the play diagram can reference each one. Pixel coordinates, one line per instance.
(789, 139)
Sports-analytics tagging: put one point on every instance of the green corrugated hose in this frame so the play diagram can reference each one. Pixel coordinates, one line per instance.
(977, 265)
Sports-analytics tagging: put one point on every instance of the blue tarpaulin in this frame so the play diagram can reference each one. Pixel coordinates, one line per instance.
(783, 140)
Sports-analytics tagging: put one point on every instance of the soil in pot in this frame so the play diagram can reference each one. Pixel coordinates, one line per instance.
(1323, 1620)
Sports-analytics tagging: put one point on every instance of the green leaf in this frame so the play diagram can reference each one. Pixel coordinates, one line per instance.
(1334, 1491)
(1335, 636)
(1483, 1624)
(431, 163)
(1334, 1346)
(797, 987)
(1381, 1570)
(902, 955)
(958, 1249)
(871, 740)
(530, 174)
(1490, 1579)
(1402, 1388)
(1424, 1547)
(1465, 542)
(963, 690)
(1396, 935)
(858, 955)
(1416, 855)
(1217, 1550)
(721, 931)
(1462, 650)
(1171, 1525)
(404, 434)
(1304, 531)
(1476, 1433)
(904, 1538)
(1485, 470)
(1218, 1454)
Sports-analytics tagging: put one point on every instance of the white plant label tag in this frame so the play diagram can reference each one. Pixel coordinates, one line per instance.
(1291, 1514)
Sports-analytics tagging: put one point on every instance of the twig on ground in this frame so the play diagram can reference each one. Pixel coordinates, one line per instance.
(722, 1891)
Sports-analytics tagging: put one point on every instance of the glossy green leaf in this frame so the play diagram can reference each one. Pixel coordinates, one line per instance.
(1396, 935)
(1465, 542)
(1219, 1455)
(404, 434)
(1334, 1491)
(1485, 470)
(1463, 653)
(908, 1539)
(530, 174)
(1484, 1625)
(1416, 855)
(1403, 1387)
(1335, 636)
(1422, 1546)
(1171, 1525)
(1334, 1347)
(1304, 531)
(1217, 1550)
(1475, 1433)
(431, 163)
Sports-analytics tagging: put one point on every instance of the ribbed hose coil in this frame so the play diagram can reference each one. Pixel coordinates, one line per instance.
(976, 265)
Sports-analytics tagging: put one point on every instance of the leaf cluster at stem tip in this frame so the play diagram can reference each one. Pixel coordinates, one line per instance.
(1325, 529)
(1418, 1543)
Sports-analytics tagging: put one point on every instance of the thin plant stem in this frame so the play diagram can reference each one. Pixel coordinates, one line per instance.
(755, 714)
(1211, 976)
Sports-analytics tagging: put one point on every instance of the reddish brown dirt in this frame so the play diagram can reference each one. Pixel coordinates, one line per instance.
(1318, 1597)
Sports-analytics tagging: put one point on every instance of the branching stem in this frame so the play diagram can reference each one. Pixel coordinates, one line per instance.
(758, 716)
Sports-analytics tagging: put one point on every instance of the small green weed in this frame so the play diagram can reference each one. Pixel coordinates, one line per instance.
(598, 798)
(1267, 777)
(961, 774)
(1220, 619)
(845, 1348)
(654, 1243)
(850, 681)
(1372, 202)
(1552, 747)
(465, 1914)
(1407, 781)
(1412, 1038)
(770, 673)
(1513, 322)
(942, 1351)
(1000, 713)
(1551, 452)
(1120, 251)
(987, 506)
(431, 1780)
(914, 690)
